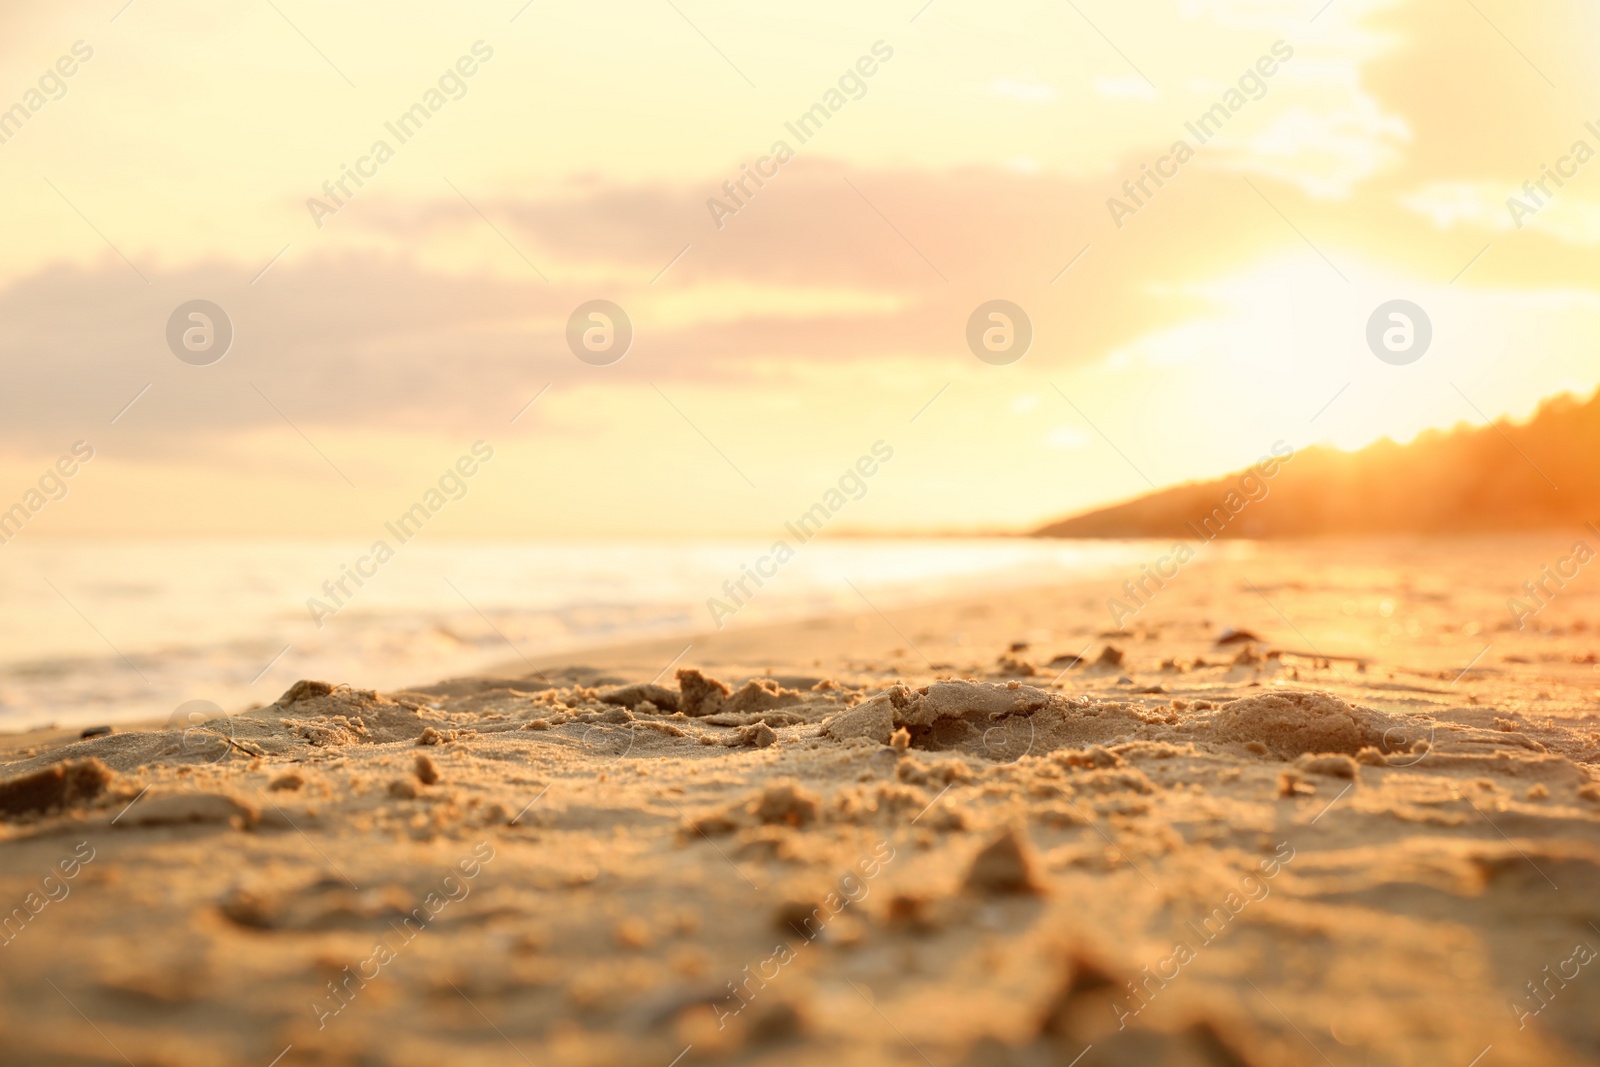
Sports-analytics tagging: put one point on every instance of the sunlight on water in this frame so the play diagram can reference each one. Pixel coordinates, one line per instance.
(127, 630)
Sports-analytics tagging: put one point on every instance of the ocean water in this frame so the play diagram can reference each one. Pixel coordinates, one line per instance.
(113, 631)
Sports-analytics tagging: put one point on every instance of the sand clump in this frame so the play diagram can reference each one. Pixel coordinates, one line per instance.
(1333, 766)
(761, 694)
(1094, 756)
(1292, 724)
(305, 689)
(874, 720)
(760, 735)
(164, 808)
(63, 785)
(700, 695)
(760, 700)
(786, 802)
(941, 715)
(1006, 721)
(1005, 865)
(333, 731)
(659, 697)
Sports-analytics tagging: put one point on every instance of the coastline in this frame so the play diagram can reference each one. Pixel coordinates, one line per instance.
(1180, 849)
(149, 639)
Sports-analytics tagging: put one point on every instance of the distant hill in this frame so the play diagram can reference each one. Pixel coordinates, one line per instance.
(1466, 480)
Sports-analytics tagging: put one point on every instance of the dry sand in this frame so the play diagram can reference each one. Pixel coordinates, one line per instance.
(893, 838)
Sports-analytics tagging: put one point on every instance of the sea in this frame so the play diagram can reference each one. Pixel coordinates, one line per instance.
(107, 631)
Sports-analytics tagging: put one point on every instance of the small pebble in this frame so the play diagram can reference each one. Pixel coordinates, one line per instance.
(1005, 865)
(427, 771)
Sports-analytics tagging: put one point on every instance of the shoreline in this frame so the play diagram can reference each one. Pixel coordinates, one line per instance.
(1175, 849)
(748, 651)
(415, 627)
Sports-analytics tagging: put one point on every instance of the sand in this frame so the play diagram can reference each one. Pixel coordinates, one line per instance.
(1364, 830)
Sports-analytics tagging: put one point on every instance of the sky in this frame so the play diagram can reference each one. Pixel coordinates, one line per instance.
(379, 332)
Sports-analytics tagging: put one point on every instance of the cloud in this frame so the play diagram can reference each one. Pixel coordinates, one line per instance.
(1450, 204)
(831, 264)
(429, 320)
(1567, 215)
(1126, 87)
(1327, 154)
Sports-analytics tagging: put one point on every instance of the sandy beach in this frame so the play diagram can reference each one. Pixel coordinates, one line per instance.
(1361, 829)
(702, 534)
